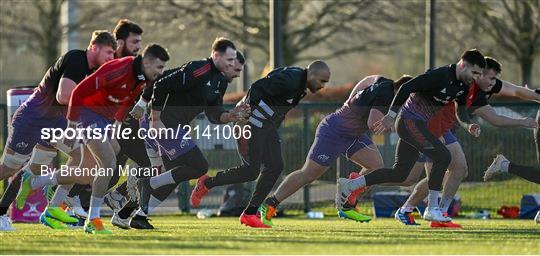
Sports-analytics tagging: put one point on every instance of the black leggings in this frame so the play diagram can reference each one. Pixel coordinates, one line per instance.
(190, 165)
(10, 193)
(414, 138)
(263, 149)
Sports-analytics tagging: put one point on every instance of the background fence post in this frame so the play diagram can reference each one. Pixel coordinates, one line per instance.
(305, 110)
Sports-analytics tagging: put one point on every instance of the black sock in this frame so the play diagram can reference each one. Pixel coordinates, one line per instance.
(251, 210)
(128, 209)
(163, 192)
(272, 201)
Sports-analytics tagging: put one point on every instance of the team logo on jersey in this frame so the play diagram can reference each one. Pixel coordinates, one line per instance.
(208, 83)
(290, 100)
(21, 145)
(459, 93)
(323, 157)
(123, 86)
(443, 90)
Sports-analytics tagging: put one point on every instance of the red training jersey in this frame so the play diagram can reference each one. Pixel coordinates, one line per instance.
(110, 91)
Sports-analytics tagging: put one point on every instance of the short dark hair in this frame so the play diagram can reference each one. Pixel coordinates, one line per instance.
(492, 63)
(221, 44)
(103, 37)
(403, 79)
(155, 51)
(474, 57)
(124, 27)
(240, 57)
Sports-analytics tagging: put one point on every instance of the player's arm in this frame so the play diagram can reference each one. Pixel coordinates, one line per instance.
(488, 113)
(87, 87)
(424, 82)
(374, 116)
(523, 92)
(120, 114)
(73, 74)
(65, 88)
(218, 115)
(380, 106)
(463, 116)
(142, 104)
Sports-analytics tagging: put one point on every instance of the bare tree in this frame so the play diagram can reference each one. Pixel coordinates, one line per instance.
(513, 25)
(36, 24)
(311, 29)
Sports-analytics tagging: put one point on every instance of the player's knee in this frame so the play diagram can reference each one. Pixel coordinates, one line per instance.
(400, 176)
(442, 158)
(201, 167)
(13, 161)
(375, 164)
(311, 175)
(42, 157)
(252, 175)
(409, 181)
(461, 171)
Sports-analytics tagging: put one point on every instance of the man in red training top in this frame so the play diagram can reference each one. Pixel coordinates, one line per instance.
(101, 98)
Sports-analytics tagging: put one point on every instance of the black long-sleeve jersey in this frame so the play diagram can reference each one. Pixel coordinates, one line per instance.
(271, 97)
(183, 93)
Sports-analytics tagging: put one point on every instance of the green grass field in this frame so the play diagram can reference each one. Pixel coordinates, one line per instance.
(189, 235)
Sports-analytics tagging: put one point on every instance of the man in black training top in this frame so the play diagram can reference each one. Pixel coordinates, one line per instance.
(270, 99)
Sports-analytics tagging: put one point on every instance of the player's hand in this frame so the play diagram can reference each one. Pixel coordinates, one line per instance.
(474, 130)
(530, 123)
(384, 125)
(137, 112)
(240, 113)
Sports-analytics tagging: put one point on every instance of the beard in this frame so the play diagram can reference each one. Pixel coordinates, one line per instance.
(126, 52)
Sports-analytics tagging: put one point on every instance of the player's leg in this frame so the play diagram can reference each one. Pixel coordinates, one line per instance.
(417, 138)
(17, 152)
(105, 156)
(122, 218)
(10, 192)
(502, 165)
(153, 191)
(250, 152)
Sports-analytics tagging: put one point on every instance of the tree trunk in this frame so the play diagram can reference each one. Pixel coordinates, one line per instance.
(526, 63)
